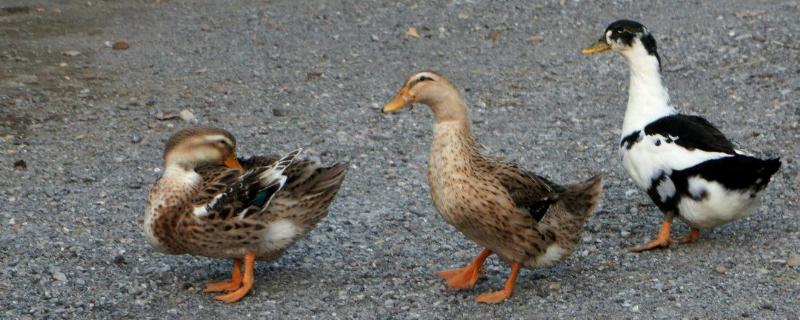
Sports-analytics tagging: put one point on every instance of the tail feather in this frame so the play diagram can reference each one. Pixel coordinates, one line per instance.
(770, 167)
(582, 198)
(329, 178)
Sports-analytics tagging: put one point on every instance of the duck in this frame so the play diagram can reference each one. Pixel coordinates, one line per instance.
(210, 203)
(685, 164)
(525, 219)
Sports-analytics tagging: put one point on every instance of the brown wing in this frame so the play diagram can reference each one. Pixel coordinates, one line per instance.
(530, 192)
(216, 179)
(297, 173)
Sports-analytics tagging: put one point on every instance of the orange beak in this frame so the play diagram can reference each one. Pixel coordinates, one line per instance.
(402, 99)
(598, 47)
(233, 163)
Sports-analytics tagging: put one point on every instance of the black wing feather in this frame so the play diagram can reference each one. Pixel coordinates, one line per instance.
(692, 132)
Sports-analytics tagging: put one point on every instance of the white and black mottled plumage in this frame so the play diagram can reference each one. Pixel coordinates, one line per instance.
(686, 165)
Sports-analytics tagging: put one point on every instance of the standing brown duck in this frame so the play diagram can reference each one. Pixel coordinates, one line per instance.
(525, 219)
(209, 203)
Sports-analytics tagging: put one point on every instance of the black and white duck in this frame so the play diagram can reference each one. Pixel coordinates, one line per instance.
(686, 165)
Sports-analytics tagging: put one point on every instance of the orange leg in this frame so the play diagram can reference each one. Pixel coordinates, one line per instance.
(689, 238)
(661, 241)
(227, 286)
(247, 281)
(466, 277)
(505, 293)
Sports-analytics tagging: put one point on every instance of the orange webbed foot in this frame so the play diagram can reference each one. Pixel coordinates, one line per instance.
(228, 286)
(661, 241)
(450, 273)
(246, 282)
(505, 293)
(462, 278)
(493, 297)
(689, 238)
(466, 277)
(653, 244)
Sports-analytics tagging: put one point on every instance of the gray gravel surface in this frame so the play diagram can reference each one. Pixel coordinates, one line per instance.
(82, 140)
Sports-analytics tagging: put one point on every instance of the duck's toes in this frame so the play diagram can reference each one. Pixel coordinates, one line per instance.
(221, 286)
(661, 241)
(235, 295)
(466, 279)
(689, 238)
(493, 297)
(657, 243)
(450, 273)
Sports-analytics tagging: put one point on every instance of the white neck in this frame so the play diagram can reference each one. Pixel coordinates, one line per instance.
(177, 173)
(648, 99)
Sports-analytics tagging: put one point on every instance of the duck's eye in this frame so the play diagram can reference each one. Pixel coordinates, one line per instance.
(619, 30)
(425, 78)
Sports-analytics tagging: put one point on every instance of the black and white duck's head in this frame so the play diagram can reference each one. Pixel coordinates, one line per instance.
(629, 38)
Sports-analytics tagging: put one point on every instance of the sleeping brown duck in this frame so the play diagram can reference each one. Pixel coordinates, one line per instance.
(209, 203)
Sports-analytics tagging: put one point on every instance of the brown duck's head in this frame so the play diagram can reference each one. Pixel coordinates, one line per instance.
(426, 87)
(194, 146)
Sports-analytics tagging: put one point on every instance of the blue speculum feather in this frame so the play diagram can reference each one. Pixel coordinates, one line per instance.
(261, 198)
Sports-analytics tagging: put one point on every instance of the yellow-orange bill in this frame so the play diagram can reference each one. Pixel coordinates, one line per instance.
(233, 163)
(399, 101)
(597, 47)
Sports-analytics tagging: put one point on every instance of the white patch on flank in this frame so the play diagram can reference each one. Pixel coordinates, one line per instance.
(665, 189)
(696, 187)
(719, 206)
(200, 211)
(280, 234)
(553, 254)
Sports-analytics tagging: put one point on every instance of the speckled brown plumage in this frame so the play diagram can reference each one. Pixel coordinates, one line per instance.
(303, 200)
(525, 219)
(210, 204)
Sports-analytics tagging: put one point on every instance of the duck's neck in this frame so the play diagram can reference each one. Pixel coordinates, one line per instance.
(452, 133)
(180, 175)
(648, 99)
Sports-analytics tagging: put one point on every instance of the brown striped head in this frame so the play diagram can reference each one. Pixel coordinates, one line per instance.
(435, 91)
(193, 146)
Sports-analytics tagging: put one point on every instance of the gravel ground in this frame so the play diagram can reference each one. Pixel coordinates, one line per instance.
(283, 74)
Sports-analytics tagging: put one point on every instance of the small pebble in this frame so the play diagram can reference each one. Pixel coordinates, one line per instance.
(278, 112)
(136, 138)
(721, 269)
(120, 45)
(793, 260)
(188, 116)
(60, 276)
(166, 115)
